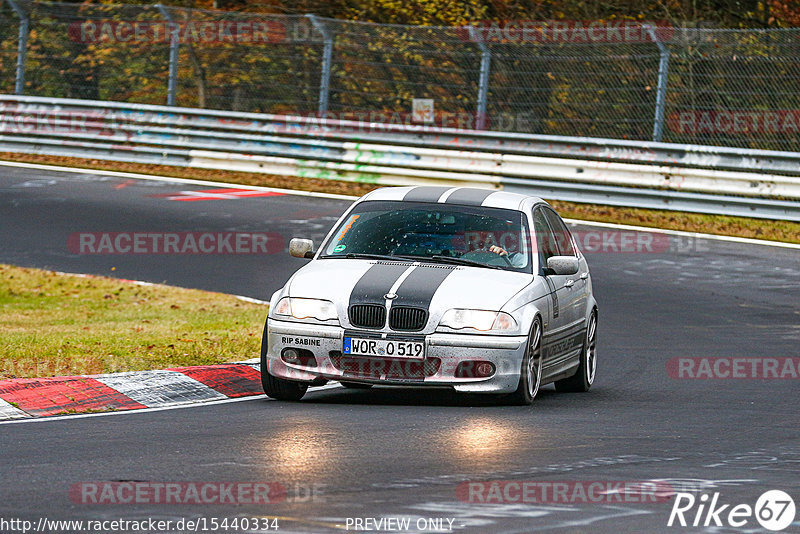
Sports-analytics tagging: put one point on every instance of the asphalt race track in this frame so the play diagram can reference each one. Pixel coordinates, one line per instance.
(386, 453)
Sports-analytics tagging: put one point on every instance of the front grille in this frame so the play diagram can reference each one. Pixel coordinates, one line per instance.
(407, 319)
(392, 369)
(367, 315)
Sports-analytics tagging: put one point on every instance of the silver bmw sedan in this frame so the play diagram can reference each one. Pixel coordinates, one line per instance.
(482, 291)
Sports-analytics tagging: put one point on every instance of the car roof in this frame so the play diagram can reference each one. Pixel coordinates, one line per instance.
(465, 196)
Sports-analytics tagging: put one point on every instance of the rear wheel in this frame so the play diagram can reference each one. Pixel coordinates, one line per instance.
(355, 385)
(582, 380)
(531, 372)
(274, 387)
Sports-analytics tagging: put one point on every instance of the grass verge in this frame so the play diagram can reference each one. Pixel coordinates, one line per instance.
(771, 230)
(55, 324)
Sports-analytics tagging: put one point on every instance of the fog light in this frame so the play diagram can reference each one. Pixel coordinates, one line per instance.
(474, 369)
(291, 356)
(301, 357)
(484, 369)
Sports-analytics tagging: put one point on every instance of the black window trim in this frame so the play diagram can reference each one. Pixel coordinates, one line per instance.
(575, 248)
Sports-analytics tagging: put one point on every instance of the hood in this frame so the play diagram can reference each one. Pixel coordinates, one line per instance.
(435, 287)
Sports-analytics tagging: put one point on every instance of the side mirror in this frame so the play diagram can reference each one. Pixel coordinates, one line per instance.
(301, 248)
(562, 264)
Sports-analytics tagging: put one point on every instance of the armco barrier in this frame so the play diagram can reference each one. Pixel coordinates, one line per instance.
(651, 175)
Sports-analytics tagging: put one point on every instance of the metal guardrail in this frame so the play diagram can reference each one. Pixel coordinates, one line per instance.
(753, 183)
(620, 79)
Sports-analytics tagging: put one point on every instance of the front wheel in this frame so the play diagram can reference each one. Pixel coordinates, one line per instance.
(274, 387)
(531, 372)
(582, 380)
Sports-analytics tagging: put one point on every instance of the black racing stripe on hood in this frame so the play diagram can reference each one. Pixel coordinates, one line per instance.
(468, 196)
(376, 282)
(425, 193)
(421, 285)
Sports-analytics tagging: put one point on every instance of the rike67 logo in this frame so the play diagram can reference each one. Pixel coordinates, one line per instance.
(774, 510)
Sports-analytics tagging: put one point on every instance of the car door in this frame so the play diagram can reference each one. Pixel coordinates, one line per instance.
(556, 323)
(573, 299)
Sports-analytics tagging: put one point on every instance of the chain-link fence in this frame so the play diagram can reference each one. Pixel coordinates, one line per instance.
(719, 87)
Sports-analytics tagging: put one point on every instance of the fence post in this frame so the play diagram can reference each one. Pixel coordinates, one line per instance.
(327, 56)
(483, 83)
(661, 91)
(174, 43)
(22, 46)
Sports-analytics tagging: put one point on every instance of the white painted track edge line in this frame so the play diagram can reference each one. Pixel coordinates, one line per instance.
(188, 181)
(40, 419)
(715, 237)
(243, 298)
(295, 192)
(35, 419)
(251, 300)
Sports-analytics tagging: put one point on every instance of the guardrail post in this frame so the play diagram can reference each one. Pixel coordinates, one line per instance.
(327, 57)
(174, 44)
(661, 92)
(483, 83)
(22, 46)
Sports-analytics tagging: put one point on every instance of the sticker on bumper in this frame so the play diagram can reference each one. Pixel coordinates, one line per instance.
(301, 341)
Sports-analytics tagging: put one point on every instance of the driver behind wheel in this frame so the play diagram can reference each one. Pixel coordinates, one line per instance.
(517, 259)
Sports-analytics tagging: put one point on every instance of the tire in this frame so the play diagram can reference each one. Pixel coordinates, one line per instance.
(355, 385)
(583, 379)
(530, 375)
(274, 387)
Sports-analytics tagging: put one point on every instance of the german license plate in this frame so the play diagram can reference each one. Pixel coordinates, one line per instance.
(384, 348)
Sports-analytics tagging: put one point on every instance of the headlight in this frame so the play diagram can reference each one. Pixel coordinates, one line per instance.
(482, 320)
(323, 310)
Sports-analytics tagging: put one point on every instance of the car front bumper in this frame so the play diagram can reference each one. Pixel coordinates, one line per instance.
(444, 353)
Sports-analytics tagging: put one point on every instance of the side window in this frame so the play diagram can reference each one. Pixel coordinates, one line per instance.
(545, 240)
(563, 237)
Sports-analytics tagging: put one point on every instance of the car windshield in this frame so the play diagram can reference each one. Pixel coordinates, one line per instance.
(441, 233)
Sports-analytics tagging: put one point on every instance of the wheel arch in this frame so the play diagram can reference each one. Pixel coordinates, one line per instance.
(528, 313)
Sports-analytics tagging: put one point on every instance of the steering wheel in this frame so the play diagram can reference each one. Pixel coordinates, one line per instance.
(485, 257)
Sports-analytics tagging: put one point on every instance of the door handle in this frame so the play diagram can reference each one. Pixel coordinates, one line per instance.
(569, 283)
(584, 276)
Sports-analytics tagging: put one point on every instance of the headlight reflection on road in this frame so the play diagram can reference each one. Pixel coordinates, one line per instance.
(482, 439)
(298, 452)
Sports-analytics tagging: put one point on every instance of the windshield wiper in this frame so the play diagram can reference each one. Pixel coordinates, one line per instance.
(462, 261)
(456, 261)
(360, 255)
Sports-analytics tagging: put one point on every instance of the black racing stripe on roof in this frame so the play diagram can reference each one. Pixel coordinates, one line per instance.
(425, 193)
(468, 196)
(421, 285)
(376, 282)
